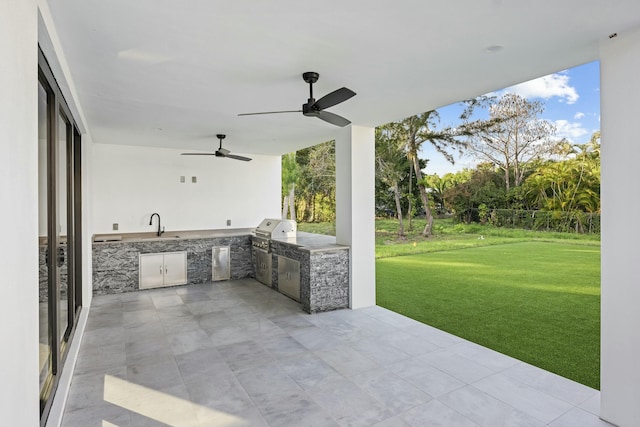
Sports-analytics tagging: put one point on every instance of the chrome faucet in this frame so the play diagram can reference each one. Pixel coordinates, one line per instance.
(160, 230)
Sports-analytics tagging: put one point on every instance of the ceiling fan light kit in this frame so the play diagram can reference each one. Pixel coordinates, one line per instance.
(314, 108)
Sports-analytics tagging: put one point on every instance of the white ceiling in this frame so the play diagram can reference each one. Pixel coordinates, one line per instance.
(171, 73)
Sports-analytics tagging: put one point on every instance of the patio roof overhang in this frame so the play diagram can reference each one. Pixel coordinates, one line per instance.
(173, 74)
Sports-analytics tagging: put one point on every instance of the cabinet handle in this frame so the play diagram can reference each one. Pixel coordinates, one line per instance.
(165, 269)
(160, 269)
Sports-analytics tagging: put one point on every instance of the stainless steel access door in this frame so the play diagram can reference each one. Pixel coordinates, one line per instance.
(263, 266)
(220, 263)
(289, 277)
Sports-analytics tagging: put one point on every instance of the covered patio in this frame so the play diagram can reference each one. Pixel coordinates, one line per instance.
(238, 354)
(146, 80)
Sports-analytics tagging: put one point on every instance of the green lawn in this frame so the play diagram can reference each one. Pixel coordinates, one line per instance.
(448, 235)
(536, 301)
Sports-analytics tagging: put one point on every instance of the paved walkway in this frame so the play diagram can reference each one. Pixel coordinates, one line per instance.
(239, 354)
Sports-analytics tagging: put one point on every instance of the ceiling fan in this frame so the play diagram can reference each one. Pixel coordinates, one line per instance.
(315, 108)
(220, 152)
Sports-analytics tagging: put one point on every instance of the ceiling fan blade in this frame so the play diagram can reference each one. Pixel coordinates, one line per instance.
(334, 119)
(198, 154)
(333, 98)
(233, 156)
(270, 112)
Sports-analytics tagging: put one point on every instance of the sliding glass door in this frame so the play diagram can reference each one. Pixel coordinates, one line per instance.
(46, 362)
(59, 225)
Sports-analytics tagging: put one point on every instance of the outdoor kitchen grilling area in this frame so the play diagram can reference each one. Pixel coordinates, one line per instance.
(308, 268)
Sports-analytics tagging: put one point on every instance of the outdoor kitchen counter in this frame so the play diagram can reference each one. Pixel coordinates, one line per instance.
(324, 270)
(116, 257)
(171, 235)
(323, 264)
(312, 242)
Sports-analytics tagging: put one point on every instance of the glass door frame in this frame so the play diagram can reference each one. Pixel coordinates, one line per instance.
(58, 251)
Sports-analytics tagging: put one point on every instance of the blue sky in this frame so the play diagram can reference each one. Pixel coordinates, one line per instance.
(571, 100)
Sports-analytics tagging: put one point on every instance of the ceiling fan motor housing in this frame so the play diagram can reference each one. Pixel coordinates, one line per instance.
(309, 110)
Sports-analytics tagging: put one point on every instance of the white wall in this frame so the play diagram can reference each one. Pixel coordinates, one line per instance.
(128, 184)
(620, 329)
(19, 214)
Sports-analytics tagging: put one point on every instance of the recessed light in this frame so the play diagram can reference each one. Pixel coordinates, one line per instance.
(493, 49)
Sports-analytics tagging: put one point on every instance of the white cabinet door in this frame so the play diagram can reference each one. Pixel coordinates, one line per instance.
(151, 271)
(175, 268)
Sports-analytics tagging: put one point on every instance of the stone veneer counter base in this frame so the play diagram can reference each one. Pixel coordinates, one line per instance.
(116, 263)
(324, 270)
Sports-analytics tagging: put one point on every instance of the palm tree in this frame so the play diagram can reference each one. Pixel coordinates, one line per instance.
(415, 131)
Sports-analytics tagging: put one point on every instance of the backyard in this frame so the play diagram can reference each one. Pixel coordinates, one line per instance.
(532, 295)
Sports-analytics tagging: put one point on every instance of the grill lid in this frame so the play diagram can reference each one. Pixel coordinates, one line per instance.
(270, 227)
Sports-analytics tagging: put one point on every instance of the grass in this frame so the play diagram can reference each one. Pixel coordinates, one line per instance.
(318, 227)
(448, 235)
(532, 295)
(536, 301)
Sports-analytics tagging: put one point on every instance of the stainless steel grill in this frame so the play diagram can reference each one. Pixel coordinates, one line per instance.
(272, 228)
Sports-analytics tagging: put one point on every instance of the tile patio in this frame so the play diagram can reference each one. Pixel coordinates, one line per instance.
(239, 354)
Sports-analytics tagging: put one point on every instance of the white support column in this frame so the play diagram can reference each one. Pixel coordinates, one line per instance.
(355, 210)
(620, 277)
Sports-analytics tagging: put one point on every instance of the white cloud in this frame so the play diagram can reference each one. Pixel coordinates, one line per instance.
(547, 87)
(579, 115)
(569, 130)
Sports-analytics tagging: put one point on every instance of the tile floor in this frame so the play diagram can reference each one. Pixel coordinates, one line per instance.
(239, 354)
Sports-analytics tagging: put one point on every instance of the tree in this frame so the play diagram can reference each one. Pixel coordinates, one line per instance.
(513, 137)
(438, 186)
(475, 188)
(322, 171)
(390, 168)
(316, 183)
(414, 131)
(572, 184)
(289, 178)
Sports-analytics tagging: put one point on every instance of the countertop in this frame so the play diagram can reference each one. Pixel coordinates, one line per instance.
(304, 241)
(312, 242)
(171, 235)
